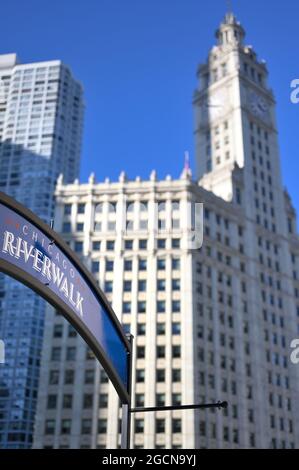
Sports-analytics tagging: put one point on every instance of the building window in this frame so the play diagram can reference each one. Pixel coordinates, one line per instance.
(176, 399)
(160, 328)
(160, 425)
(161, 263)
(142, 244)
(238, 195)
(161, 243)
(111, 226)
(69, 376)
(109, 265)
(103, 377)
(112, 207)
(128, 244)
(143, 206)
(176, 243)
(160, 375)
(141, 285)
(87, 400)
(175, 223)
(160, 352)
(66, 227)
(161, 284)
(139, 399)
(86, 426)
(55, 354)
(128, 265)
(54, 377)
(176, 328)
(102, 426)
(142, 265)
(89, 376)
(78, 247)
(175, 263)
(50, 426)
(130, 206)
(141, 329)
(67, 401)
(103, 400)
(95, 266)
(176, 351)
(65, 426)
(71, 354)
(143, 224)
(160, 399)
(52, 402)
(140, 352)
(141, 306)
(176, 426)
(140, 374)
(58, 331)
(176, 375)
(139, 426)
(160, 306)
(176, 306)
(67, 209)
(80, 227)
(81, 208)
(108, 287)
(110, 245)
(72, 333)
(176, 284)
(126, 328)
(127, 286)
(126, 307)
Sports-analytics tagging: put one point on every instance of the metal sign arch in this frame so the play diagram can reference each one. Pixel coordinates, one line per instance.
(35, 255)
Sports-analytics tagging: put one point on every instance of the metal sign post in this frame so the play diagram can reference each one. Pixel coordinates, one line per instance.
(126, 407)
(127, 410)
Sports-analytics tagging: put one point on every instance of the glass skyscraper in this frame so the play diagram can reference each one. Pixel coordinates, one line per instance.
(41, 115)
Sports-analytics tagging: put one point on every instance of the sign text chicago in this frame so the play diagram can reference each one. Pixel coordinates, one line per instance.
(46, 260)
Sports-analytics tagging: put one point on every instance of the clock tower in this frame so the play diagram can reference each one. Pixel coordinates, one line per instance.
(235, 127)
(237, 157)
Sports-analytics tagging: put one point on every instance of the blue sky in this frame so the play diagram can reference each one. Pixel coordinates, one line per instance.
(137, 61)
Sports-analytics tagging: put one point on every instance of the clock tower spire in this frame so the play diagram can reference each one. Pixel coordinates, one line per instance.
(230, 31)
(235, 128)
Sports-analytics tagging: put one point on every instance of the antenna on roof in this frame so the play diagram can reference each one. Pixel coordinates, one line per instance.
(229, 6)
(187, 161)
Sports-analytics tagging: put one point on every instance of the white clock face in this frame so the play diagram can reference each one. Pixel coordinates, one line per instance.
(258, 106)
(214, 105)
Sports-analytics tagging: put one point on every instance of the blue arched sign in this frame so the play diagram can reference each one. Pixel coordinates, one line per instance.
(33, 253)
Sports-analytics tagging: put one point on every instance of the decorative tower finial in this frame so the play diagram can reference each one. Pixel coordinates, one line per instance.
(153, 175)
(122, 177)
(60, 180)
(92, 178)
(230, 31)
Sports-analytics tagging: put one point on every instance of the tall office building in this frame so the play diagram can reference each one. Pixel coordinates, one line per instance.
(41, 114)
(210, 323)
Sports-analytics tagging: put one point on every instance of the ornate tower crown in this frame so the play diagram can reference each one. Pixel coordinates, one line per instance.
(230, 31)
